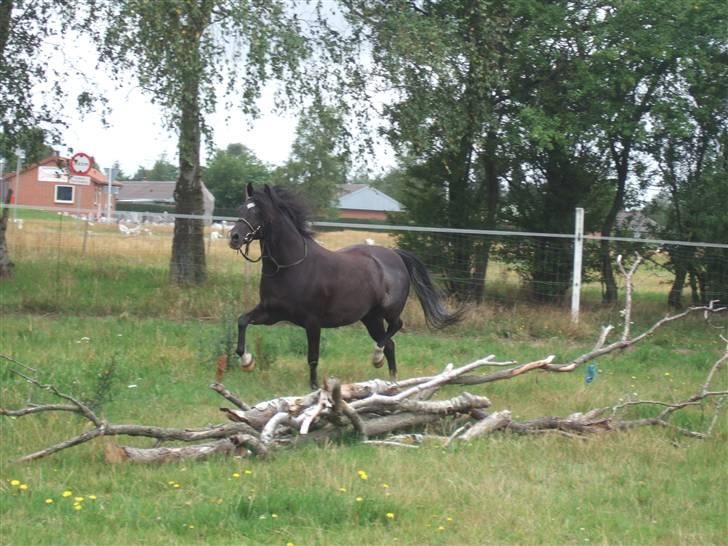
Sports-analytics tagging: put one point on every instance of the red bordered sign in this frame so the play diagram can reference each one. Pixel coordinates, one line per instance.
(80, 164)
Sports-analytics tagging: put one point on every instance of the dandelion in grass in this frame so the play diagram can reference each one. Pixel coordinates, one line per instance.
(15, 483)
(440, 528)
(77, 507)
(67, 493)
(667, 374)
(92, 497)
(362, 475)
(23, 486)
(359, 499)
(236, 474)
(176, 486)
(49, 501)
(385, 486)
(248, 472)
(449, 519)
(171, 482)
(342, 489)
(390, 515)
(79, 499)
(274, 515)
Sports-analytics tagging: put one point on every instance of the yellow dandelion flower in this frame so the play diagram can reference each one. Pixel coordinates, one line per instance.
(92, 497)
(667, 374)
(171, 482)
(77, 507)
(49, 501)
(342, 489)
(390, 515)
(385, 485)
(274, 515)
(78, 499)
(449, 519)
(440, 528)
(236, 474)
(248, 472)
(359, 499)
(362, 474)
(67, 493)
(191, 526)
(289, 544)
(23, 486)
(15, 483)
(176, 486)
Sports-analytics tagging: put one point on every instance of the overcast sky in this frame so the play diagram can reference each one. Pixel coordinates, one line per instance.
(135, 135)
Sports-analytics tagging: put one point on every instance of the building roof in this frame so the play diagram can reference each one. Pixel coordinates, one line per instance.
(364, 197)
(636, 222)
(158, 191)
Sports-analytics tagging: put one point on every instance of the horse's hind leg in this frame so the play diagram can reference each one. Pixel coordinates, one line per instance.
(384, 346)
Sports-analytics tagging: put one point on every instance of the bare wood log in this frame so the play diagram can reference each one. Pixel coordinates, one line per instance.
(494, 421)
(278, 420)
(229, 396)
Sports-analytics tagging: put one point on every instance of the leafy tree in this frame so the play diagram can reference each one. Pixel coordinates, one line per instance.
(318, 163)
(229, 171)
(162, 170)
(448, 62)
(180, 50)
(690, 146)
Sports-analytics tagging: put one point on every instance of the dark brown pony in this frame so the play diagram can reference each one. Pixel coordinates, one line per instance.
(308, 285)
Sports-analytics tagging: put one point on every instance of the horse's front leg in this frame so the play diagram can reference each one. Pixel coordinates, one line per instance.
(257, 315)
(313, 333)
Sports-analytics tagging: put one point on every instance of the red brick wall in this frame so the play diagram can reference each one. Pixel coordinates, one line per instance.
(363, 214)
(34, 192)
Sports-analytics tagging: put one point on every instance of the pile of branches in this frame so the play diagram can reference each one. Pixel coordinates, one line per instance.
(380, 411)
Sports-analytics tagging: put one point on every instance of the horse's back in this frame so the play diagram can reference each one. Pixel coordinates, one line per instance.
(391, 270)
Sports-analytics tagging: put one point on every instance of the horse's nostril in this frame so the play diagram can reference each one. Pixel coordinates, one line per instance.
(234, 236)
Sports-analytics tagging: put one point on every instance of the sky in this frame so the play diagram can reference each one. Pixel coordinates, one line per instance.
(134, 134)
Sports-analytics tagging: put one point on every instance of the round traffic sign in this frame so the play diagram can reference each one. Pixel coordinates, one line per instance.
(80, 164)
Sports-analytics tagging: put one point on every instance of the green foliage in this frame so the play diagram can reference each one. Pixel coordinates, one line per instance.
(161, 171)
(229, 171)
(318, 163)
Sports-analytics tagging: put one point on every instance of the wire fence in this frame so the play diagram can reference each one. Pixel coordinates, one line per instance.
(488, 266)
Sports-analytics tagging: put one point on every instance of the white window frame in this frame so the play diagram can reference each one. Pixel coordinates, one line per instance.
(55, 194)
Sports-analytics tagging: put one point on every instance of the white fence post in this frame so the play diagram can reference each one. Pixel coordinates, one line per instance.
(578, 251)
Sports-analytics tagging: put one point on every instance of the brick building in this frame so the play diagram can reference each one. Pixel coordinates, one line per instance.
(48, 184)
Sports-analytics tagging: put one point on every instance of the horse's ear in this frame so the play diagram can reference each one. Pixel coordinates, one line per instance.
(249, 190)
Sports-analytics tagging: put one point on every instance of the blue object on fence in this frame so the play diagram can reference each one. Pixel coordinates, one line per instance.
(591, 373)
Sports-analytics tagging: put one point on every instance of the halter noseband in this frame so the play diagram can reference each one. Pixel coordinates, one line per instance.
(251, 236)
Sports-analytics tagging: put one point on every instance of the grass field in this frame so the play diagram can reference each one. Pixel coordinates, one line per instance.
(75, 319)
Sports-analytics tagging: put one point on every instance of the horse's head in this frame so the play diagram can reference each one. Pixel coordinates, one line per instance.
(251, 221)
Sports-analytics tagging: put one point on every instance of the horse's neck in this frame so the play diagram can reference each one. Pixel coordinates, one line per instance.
(285, 245)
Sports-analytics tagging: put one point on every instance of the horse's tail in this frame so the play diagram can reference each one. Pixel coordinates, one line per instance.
(435, 314)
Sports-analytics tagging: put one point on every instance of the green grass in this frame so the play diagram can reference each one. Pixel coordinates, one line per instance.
(70, 320)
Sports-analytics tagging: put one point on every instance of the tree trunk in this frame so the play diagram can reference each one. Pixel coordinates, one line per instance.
(188, 266)
(674, 298)
(6, 266)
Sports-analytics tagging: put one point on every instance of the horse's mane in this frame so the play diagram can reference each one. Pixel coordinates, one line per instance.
(290, 204)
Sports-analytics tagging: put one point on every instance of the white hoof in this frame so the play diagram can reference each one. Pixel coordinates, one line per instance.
(378, 356)
(247, 362)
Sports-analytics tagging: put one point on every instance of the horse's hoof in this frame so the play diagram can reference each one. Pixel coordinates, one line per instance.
(378, 356)
(247, 362)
